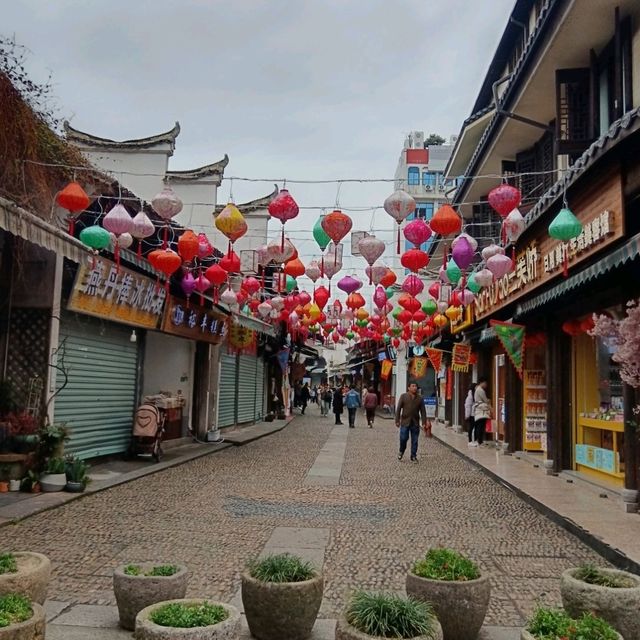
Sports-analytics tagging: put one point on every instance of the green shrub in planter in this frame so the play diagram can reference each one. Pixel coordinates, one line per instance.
(8, 563)
(189, 615)
(162, 570)
(281, 568)
(552, 624)
(14, 608)
(594, 575)
(446, 564)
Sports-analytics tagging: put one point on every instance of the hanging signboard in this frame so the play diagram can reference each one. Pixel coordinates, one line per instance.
(114, 293)
(460, 357)
(194, 322)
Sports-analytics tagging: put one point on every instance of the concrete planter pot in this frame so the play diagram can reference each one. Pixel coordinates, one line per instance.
(135, 593)
(277, 610)
(525, 635)
(74, 487)
(344, 631)
(31, 629)
(228, 629)
(31, 579)
(50, 482)
(461, 606)
(619, 607)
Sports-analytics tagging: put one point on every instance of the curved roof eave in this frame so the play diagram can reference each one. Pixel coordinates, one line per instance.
(82, 137)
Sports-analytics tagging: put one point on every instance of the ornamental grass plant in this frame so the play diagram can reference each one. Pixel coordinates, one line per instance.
(8, 563)
(594, 575)
(14, 608)
(388, 615)
(188, 615)
(282, 567)
(446, 564)
(162, 570)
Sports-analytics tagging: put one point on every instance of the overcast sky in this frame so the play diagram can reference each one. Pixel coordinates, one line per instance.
(297, 89)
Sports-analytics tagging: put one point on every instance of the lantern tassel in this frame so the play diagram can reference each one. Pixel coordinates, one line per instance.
(335, 256)
(503, 233)
(116, 252)
(188, 302)
(565, 270)
(513, 257)
(229, 249)
(165, 239)
(139, 248)
(282, 240)
(398, 247)
(322, 265)
(71, 222)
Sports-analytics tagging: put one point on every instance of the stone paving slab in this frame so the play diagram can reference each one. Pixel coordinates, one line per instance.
(299, 538)
(89, 615)
(327, 468)
(255, 432)
(63, 632)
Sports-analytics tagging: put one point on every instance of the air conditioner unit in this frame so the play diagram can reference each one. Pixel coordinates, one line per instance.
(441, 187)
(428, 188)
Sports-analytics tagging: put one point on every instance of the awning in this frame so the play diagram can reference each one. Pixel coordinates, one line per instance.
(306, 350)
(626, 253)
(28, 226)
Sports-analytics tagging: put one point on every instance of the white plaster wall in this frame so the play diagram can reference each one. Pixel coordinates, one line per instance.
(169, 366)
(200, 199)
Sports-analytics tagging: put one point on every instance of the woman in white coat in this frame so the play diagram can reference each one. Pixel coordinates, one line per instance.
(482, 410)
(468, 411)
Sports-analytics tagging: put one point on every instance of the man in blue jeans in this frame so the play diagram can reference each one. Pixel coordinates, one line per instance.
(409, 410)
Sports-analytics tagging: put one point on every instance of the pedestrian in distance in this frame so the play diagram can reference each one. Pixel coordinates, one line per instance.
(352, 400)
(370, 405)
(304, 397)
(469, 403)
(409, 411)
(338, 404)
(482, 411)
(364, 395)
(326, 398)
(314, 394)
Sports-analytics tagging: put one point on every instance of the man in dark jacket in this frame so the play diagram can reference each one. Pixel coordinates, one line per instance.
(409, 410)
(304, 397)
(338, 404)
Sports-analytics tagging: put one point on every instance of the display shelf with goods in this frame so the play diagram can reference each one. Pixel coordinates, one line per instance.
(599, 419)
(535, 409)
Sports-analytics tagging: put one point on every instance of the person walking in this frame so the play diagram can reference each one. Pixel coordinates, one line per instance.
(304, 397)
(482, 411)
(326, 396)
(468, 412)
(338, 404)
(370, 404)
(352, 400)
(409, 410)
(314, 394)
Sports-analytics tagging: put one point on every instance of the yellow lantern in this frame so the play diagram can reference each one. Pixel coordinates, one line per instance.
(314, 311)
(439, 320)
(362, 314)
(453, 313)
(231, 223)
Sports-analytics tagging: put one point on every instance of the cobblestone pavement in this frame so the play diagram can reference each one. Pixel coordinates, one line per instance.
(216, 512)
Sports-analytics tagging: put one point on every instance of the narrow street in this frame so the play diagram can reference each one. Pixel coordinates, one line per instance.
(216, 512)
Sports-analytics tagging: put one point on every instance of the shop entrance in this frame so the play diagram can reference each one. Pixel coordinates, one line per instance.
(499, 388)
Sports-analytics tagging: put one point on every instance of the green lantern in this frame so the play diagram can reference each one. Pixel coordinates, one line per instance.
(386, 338)
(291, 284)
(350, 335)
(430, 306)
(396, 331)
(472, 284)
(396, 312)
(389, 292)
(453, 271)
(96, 237)
(362, 323)
(565, 226)
(320, 235)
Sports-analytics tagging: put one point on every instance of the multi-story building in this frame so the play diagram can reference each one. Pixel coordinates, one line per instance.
(558, 116)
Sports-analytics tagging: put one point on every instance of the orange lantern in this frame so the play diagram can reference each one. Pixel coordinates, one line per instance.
(446, 221)
(439, 320)
(355, 301)
(74, 199)
(168, 262)
(294, 268)
(188, 245)
(336, 225)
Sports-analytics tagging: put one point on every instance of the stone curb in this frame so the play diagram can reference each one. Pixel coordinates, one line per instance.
(65, 498)
(600, 546)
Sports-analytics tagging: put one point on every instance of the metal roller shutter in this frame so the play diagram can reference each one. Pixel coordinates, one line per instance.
(259, 404)
(227, 391)
(247, 384)
(98, 401)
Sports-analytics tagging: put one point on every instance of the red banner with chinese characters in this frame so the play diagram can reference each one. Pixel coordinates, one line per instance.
(385, 369)
(461, 357)
(435, 357)
(449, 394)
(241, 340)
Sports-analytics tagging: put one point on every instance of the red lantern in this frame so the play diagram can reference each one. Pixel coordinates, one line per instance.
(216, 275)
(231, 262)
(153, 257)
(74, 199)
(168, 263)
(446, 221)
(304, 298)
(188, 245)
(434, 290)
(294, 268)
(336, 225)
(587, 324)
(251, 285)
(404, 317)
(355, 301)
(321, 297)
(389, 279)
(572, 327)
(419, 315)
(409, 303)
(283, 207)
(414, 260)
(504, 199)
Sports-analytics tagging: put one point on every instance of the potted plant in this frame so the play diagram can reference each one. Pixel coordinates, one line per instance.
(54, 477)
(31, 482)
(76, 473)
(23, 431)
(454, 586)
(4, 478)
(281, 595)
(609, 593)
(551, 624)
(14, 484)
(20, 619)
(137, 586)
(387, 615)
(26, 573)
(188, 619)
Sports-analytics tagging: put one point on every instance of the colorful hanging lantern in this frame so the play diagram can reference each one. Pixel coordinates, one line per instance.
(188, 246)
(251, 285)
(442, 274)
(514, 225)
(572, 327)
(417, 232)
(188, 285)
(504, 199)
(229, 297)
(409, 303)
(491, 250)
(141, 228)
(414, 260)
(304, 298)
(564, 227)
(118, 222)
(321, 296)
(313, 271)
(336, 225)
(75, 200)
(168, 262)
(453, 271)
(231, 262)
(380, 297)
(371, 248)
(294, 268)
(434, 290)
(204, 246)
(95, 237)
(499, 265)
(453, 313)
(473, 285)
(264, 309)
(404, 316)
(445, 221)
(202, 284)
(419, 316)
(440, 320)
(399, 205)
(412, 285)
(376, 272)
(466, 297)
(462, 251)
(123, 241)
(389, 278)
(283, 207)
(278, 254)
(290, 284)
(167, 205)
(231, 223)
(390, 292)
(430, 306)
(484, 277)
(355, 301)
(349, 284)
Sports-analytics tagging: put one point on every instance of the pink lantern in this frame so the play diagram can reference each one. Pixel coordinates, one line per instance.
(278, 254)
(413, 285)
(492, 250)
(304, 298)
(376, 272)
(204, 246)
(229, 297)
(466, 297)
(283, 207)
(118, 221)
(371, 249)
(264, 309)
(462, 252)
(417, 232)
(499, 265)
(141, 228)
(262, 255)
(504, 199)
(349, 284)
(313, 271)
(434, 290)
(167, 205)
(380, 297)
(188, 285)
(442, 275)
(399, 205)
(484, 277)
(201, 284)
(514, 224)
(331, 268)
(277, 302)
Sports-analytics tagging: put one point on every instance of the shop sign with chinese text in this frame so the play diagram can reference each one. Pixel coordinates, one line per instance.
(540, 258)
(194, 321)
(107, 291)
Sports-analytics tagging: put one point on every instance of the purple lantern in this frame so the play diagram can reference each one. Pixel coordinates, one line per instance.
(188, 284)
(462, 252)
(380, 297)
(349, 284)
(413, 285)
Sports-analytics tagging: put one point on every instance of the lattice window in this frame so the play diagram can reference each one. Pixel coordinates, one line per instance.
(573, 110)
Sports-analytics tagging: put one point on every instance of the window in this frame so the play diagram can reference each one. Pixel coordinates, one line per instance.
(429, 179)
(414, 176)
(428, 210)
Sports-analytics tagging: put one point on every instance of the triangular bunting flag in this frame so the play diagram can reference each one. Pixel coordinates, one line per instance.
(511, 337)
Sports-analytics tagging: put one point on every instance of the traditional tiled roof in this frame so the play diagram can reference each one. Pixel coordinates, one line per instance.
(208, 170)
(81, 137)
(253, 205)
